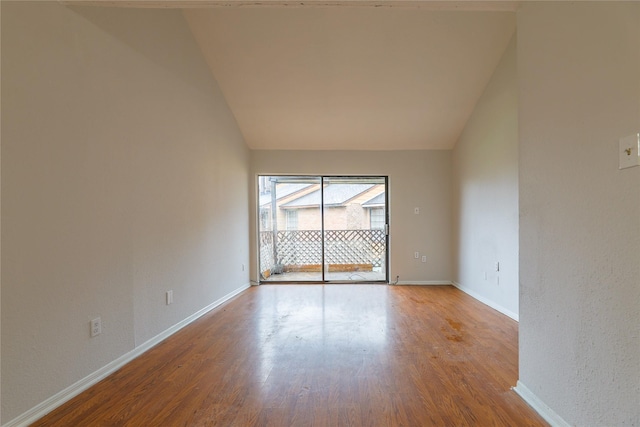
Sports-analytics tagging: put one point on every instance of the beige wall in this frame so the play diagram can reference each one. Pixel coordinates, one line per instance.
(579, 92)
(416, 179)
(485, 193)
(123, 175)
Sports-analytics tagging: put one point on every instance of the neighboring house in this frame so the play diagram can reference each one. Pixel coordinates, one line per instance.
(375, 210)
(343, 208)
(284, 193)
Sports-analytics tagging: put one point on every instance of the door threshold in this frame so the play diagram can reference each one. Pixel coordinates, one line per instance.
(330, 282)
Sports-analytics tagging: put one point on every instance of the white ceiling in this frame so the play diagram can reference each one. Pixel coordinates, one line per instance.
(351, 78)
(347, 74)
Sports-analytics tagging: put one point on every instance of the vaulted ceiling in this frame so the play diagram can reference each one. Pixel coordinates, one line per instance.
(351, 78)
(347, 74)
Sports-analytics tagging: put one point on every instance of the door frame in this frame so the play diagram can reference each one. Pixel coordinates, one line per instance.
(322, 177)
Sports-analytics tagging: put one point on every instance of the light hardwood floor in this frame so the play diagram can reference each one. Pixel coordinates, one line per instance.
(321, 355)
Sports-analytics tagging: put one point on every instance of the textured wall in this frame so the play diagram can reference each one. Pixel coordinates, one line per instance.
(485, 193)
(579, 92)
(416, 179)
(123, 175)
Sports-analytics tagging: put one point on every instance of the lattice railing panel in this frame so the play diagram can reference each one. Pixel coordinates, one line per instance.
(354, 246)
(304, 247)
(266, 251)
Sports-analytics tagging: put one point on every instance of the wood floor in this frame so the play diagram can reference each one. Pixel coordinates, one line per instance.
(314, 355)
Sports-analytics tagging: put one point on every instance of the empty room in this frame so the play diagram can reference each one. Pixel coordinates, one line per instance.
(326, 213)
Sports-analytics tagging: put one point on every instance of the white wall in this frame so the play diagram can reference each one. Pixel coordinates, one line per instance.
(416, 179)
(485, 193)
(123, 175)
(579, 92)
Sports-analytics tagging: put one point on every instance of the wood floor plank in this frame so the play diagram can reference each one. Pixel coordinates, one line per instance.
(321, 355)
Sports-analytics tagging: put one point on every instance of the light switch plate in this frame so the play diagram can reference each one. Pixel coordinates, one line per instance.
(628, 151)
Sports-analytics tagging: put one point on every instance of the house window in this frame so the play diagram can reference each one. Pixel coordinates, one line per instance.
(377, 218)
(292, 219)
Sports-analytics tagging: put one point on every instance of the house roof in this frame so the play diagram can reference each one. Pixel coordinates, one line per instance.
(282, 190)
(378, 200)
(334, 195)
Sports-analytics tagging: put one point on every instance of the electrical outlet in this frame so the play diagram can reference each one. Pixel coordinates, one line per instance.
(96, 327)
(416, 211)
(424, 258)
(416, 255)
(169, 297)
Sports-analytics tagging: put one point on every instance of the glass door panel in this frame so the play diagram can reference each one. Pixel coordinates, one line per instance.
(290, 228)
(355, 223)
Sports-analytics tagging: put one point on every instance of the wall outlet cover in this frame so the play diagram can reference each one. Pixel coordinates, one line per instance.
(96, 327)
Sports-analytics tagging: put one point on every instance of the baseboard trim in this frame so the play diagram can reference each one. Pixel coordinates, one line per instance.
(539, 406)
(78, 387)
(487, 301)
(424, 282)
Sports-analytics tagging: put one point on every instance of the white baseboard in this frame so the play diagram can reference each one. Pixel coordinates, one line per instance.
(488, 302)
(424, 282)
(73, 390)
(539, 406)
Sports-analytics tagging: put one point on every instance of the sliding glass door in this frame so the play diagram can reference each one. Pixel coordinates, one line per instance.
(354, 211)
(323, 229)
(290, 237)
